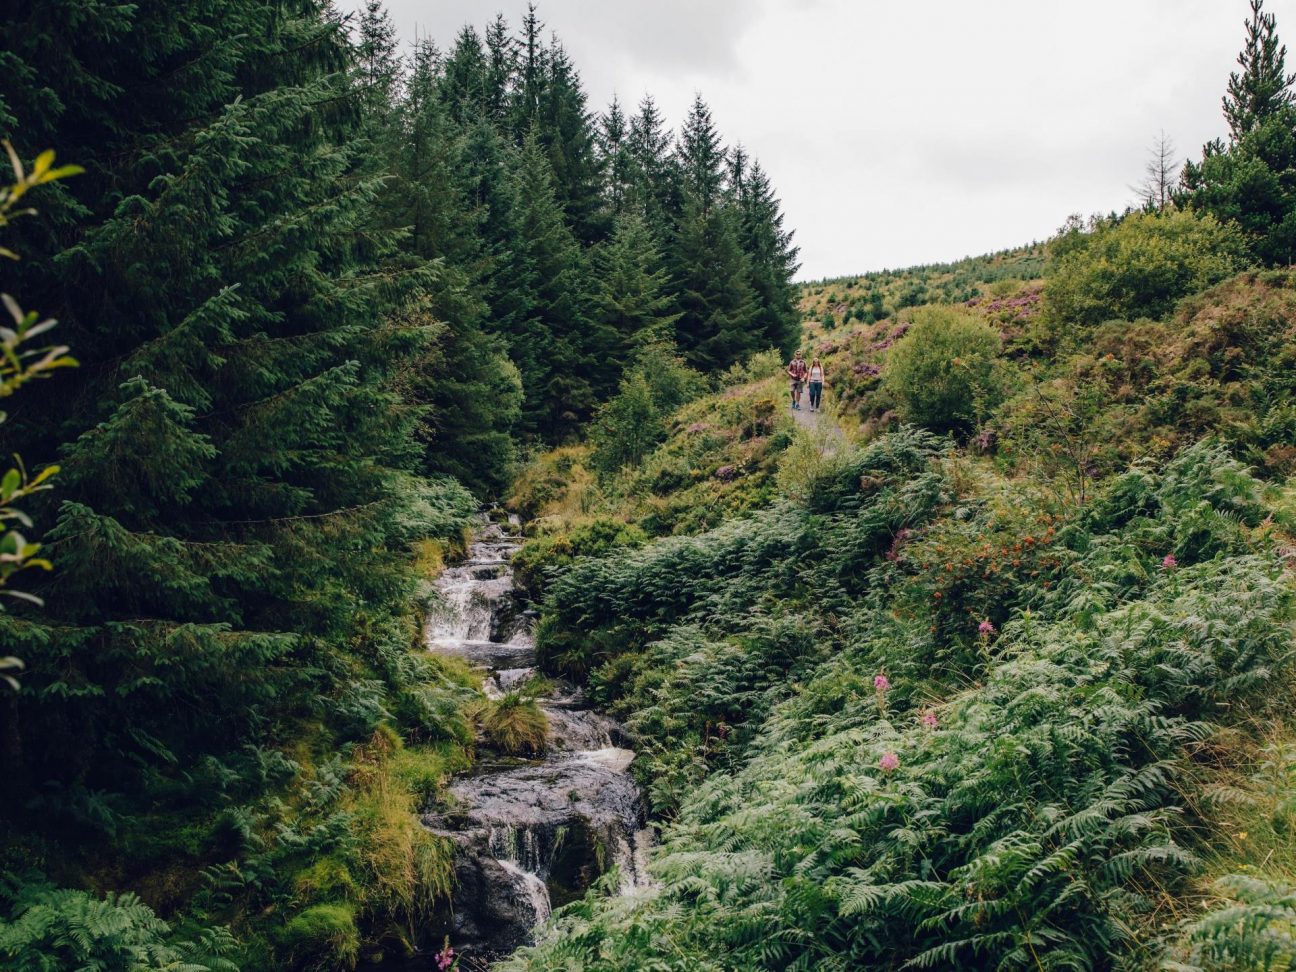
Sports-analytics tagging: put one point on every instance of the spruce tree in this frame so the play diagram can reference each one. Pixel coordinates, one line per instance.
(567, 131)
(1263, 87)
(471, 388)
(465, 85)
(617, 159)
(631, 295)
(1252, 179)
(530, 75)
(772, 259)
(501, 63)
(711, 279)
(238, 491)
(654, 168)
(379, 65)
(700, 156)
(555, 346)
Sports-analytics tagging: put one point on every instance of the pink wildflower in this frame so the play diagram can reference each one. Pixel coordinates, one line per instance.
(881, 683)
(889, 762)
(1169, 563)
(986, 628)
(929, 720)
(445, 959)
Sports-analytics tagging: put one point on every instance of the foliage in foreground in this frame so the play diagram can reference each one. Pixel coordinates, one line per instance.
(1009, 794)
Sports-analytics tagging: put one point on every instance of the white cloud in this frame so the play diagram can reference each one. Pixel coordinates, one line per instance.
(900, 133)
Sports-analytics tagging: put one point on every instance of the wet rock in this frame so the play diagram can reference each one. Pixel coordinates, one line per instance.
(530, 835)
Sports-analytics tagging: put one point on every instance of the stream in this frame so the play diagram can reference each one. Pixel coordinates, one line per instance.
(530, 834)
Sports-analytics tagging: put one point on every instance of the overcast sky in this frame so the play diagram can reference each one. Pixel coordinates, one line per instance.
(902, 133)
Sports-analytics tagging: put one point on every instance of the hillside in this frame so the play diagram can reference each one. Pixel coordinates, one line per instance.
(1002, 695)
(870, 297)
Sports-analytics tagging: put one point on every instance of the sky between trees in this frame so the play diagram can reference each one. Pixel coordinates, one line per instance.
(897, 134)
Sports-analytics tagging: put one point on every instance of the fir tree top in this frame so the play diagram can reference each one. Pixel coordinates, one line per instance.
(1263, 86)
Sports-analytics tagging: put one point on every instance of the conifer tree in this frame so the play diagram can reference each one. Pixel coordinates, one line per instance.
(555, 346)
(711, 279)
(501, 63)
(238, 485)
(1252, 179)
(378, 63)
(465, 83)
(567, 131)
(654, 168)
(471, 387)
(617, 159)
(772, 259)
(701, 157)
(531, 73)
(1263, 87)
(631, 296)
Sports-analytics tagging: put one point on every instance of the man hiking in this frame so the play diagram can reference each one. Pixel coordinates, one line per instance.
(797, 372)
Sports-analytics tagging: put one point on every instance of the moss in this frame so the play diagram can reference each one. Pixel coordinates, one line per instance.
(326, 879)
(425, 770)
(322, 938)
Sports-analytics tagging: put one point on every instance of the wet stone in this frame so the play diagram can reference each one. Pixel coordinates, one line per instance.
(530, 834)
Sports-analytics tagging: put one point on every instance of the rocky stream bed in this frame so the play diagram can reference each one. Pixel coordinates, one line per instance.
(530, 834)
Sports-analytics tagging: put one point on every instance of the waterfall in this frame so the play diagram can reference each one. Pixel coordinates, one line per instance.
(530, 835)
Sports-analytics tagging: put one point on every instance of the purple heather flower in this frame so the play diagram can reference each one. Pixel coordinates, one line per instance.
(725, 473)
(929, 720)
(897, 544)
(1169, 563)
(986, 628)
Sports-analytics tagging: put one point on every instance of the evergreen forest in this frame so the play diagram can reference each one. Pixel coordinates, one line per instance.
(984, 665)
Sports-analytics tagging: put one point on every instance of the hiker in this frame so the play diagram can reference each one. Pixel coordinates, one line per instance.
(816, 376)
(797, 372)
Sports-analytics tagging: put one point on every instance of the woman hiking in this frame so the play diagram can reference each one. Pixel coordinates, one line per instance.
(816, 377)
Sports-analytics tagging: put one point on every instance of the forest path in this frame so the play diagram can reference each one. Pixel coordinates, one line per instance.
(821, 423)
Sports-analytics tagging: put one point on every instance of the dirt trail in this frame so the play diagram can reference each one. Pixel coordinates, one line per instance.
(823, 422)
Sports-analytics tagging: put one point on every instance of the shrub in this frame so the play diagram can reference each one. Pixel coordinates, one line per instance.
(54, 928)
(634, 420)
(322, 938)
(1140, 267)
(515, 725)
(943, 373)
(544, 554)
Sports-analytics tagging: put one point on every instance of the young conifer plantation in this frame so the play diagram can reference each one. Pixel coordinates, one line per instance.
(320, 295)
(984, 666)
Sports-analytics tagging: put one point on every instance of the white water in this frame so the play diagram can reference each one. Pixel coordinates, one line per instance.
(526, 825)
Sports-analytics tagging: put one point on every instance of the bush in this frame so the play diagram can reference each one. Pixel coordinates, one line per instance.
(1140, 267)
(54, 928)
(943, 373)
(542, 555)
(323, 937)
(634, 421)
(516, 726)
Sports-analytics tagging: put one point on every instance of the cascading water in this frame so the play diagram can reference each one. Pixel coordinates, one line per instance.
(530, 835)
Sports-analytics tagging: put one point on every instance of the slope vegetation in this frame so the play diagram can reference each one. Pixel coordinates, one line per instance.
(998, 686)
